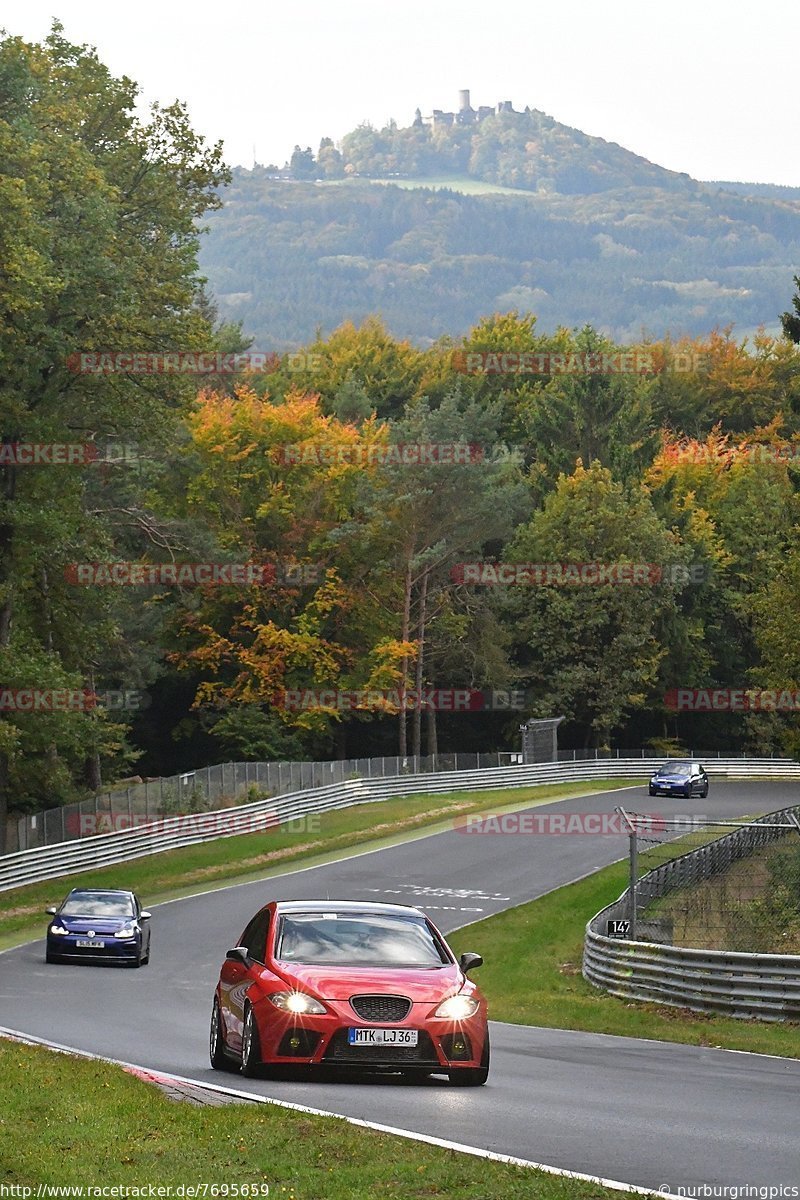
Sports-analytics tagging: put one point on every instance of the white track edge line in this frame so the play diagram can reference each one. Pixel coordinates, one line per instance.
(409, 1134)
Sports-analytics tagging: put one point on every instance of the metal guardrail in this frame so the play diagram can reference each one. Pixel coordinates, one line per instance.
(216, 787)
(735, 983)
(159, 835)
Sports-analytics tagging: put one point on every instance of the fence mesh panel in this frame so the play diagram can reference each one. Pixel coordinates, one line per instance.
(718, 885)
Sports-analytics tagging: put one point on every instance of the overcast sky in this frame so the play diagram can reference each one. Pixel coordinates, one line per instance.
(704, 86)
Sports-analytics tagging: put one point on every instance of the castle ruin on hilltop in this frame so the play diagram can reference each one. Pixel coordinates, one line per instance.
(466, 115)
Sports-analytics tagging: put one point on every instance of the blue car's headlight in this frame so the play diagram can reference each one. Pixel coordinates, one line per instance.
(128, 932)
(58, 930)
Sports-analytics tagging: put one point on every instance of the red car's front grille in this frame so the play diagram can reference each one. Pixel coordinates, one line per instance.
(381, 1009)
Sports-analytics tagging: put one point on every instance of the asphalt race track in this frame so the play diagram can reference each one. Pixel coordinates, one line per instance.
(647, 1113)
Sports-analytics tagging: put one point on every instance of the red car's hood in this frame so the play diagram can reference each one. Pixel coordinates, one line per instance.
(340, 983)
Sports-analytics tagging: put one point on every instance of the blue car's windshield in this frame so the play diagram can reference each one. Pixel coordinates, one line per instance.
(97, 904)
(678, 769)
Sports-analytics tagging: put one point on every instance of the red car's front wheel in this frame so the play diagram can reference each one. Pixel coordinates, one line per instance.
(216, 1041)
(473, 1076)
(251, 1047)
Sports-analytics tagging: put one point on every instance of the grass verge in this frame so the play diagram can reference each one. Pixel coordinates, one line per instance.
(251, 856)
(116, 1130)
(533, 976)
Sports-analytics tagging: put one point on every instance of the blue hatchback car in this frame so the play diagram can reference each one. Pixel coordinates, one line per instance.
(679, 777)
(102, 925)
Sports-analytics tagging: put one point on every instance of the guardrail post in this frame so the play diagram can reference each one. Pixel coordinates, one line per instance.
(634, 876)
(633, 870)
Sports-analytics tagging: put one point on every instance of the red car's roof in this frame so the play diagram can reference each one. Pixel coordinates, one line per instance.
(366, 906)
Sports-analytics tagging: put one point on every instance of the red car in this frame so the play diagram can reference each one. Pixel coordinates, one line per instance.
(333, 983)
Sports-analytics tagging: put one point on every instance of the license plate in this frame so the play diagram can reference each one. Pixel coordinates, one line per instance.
(84, 945)
(382, 1037)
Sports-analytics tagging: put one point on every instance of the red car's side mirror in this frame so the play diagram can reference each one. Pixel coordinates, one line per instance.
(238, 954)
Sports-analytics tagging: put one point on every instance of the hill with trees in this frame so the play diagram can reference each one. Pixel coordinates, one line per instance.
(436, 223)
(287, 258)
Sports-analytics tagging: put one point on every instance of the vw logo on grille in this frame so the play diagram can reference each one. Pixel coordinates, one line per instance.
(90, 933)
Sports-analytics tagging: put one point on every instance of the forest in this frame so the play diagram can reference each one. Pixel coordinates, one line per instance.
(194, 533)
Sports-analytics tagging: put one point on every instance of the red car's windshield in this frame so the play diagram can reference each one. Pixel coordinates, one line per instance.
(358, 940)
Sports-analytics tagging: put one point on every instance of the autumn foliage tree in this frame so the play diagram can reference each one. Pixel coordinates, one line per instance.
(99, 244)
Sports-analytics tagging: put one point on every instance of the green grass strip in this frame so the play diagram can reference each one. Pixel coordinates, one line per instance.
(69, 1121)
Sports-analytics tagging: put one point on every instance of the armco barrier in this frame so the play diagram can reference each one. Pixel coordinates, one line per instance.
(738, 984)
(219, 786)
(766, 986)
(51, 862)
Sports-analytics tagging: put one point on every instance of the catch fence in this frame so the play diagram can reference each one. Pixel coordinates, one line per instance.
(210, 789)
(150, 835)
(713, 924)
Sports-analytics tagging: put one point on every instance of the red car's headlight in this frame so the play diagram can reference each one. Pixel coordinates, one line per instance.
(457, 1008)
(297, 1002)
